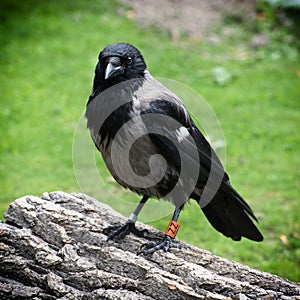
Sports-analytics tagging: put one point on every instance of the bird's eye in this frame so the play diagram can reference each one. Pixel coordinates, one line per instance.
(129, 60)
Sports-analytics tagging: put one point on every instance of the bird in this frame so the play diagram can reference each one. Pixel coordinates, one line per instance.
(151, 145)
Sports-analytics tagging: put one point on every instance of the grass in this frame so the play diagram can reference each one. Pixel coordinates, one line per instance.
(48, 53)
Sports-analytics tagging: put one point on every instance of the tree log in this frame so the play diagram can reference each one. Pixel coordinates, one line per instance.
(52, 247)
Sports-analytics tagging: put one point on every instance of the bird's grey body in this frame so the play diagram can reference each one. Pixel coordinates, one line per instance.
(138, 99)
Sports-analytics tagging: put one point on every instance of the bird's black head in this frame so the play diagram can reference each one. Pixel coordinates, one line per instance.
(117, 63)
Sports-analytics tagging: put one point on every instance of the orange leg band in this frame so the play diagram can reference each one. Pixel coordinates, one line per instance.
(172, 229)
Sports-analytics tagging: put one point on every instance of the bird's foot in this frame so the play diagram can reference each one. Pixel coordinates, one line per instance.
(120, 231)
(165, 244)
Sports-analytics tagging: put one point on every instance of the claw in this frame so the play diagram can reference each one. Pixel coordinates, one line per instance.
(120, 231)
(165, 244)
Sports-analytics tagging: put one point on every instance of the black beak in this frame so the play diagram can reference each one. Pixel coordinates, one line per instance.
(113, 68)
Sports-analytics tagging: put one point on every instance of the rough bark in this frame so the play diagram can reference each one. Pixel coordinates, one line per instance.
(53, 247)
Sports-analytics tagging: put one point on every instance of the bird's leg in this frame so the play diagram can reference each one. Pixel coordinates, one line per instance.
(120, 231)
(168, 240)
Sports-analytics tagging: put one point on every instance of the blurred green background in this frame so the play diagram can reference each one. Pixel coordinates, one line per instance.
(48, 54)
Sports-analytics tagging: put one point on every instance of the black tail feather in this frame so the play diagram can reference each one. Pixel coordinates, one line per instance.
(231, 215)
(231, 192)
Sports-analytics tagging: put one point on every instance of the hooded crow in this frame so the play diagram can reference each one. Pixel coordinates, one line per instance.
(151, 146)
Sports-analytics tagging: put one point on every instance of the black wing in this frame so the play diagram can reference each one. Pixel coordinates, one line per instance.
(171, 132)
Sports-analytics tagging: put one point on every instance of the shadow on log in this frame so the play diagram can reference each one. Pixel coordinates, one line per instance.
(52, 247)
